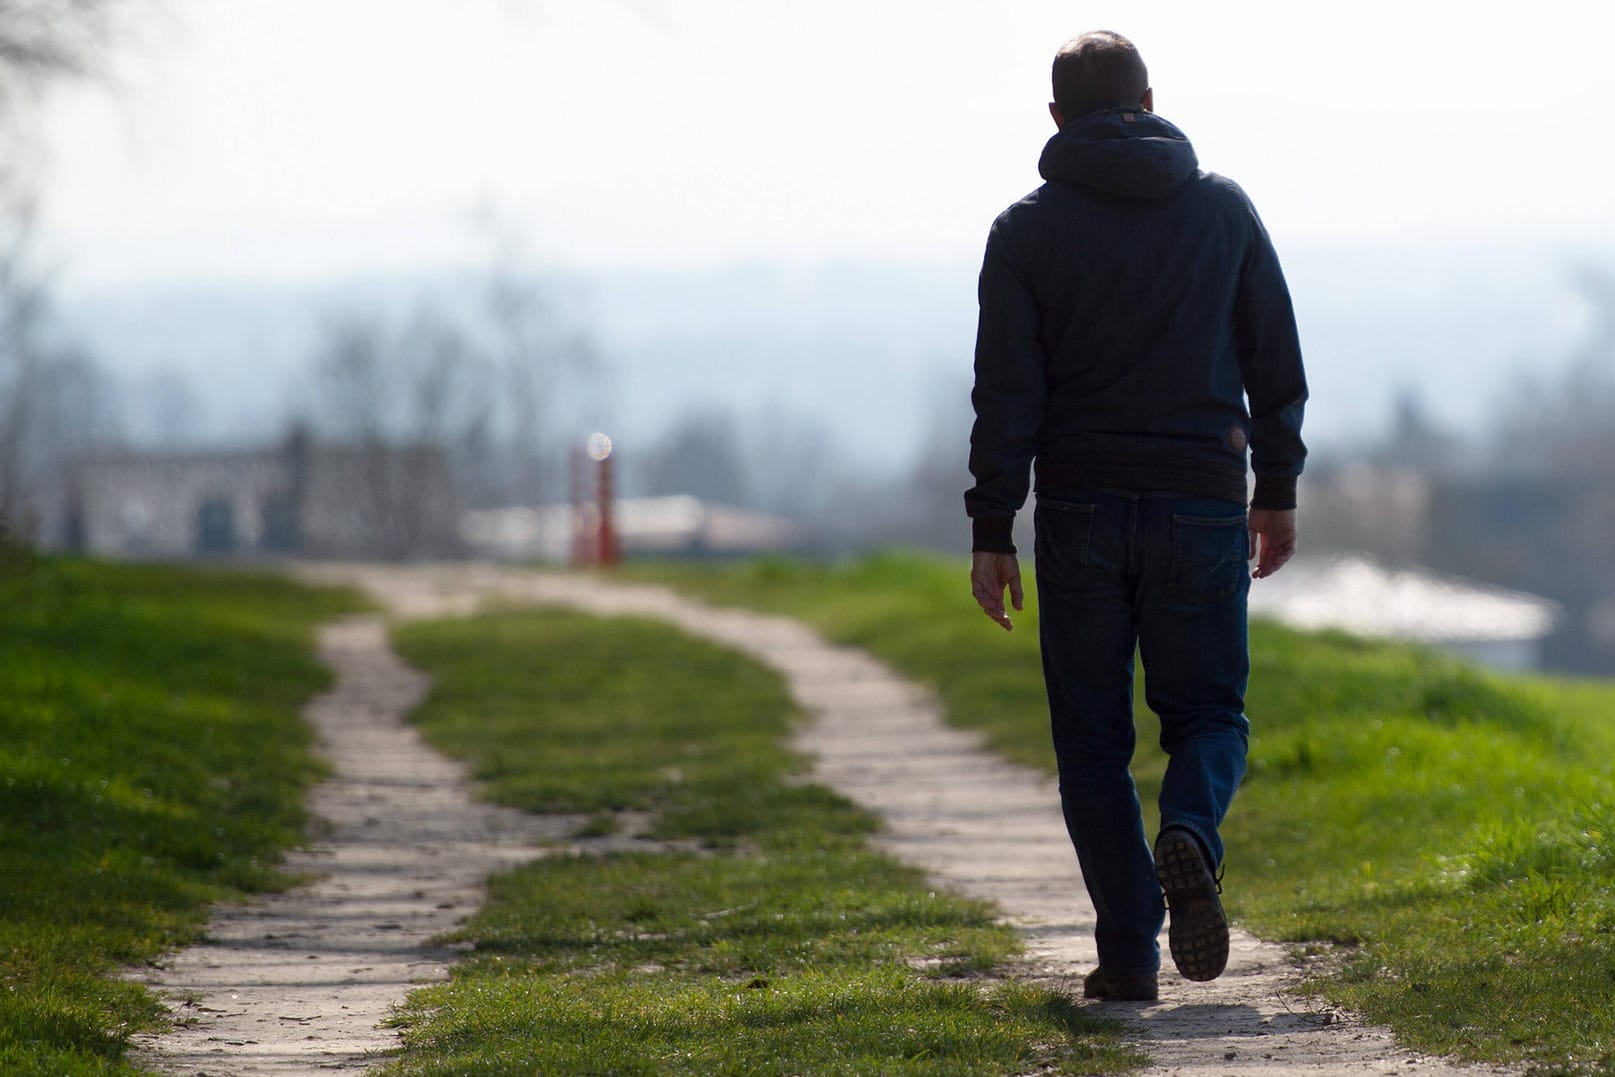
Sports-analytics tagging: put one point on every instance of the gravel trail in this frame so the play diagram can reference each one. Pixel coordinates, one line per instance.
(302, 990)
(299, 982)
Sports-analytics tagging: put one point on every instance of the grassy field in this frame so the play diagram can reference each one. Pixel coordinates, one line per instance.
(151, 762)
(765, 938)
(1451, 832)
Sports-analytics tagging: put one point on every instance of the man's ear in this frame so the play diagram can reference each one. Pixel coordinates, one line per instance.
(1147, 102)
(1059, 118)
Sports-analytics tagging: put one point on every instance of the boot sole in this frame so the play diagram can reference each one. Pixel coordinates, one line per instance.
(1199, 928)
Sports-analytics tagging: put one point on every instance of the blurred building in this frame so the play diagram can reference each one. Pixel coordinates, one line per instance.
(296, 499)
(672, 526)
(1547, 534)
(1492, 626)
(1536, 532)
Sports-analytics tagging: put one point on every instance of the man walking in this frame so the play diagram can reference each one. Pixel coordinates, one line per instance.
(1130, 307)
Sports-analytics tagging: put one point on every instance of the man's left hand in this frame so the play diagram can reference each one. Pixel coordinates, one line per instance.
(1272, 537)
(990, 574)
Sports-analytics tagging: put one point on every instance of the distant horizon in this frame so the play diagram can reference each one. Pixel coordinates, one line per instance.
(1451, 326)
(469, 259)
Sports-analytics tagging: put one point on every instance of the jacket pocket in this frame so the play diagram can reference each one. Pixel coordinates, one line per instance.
(1061, 545)
(1208, 557)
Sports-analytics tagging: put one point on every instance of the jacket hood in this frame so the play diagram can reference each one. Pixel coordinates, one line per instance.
(1122, 151)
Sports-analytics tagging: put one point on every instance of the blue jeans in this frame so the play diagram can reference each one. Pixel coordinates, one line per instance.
(1167, 574)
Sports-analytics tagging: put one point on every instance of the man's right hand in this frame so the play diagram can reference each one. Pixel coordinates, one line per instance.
(1272, 535)
(990, 573)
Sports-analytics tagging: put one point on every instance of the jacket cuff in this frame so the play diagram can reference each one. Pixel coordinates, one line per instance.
(992, 534)
(1274, 492)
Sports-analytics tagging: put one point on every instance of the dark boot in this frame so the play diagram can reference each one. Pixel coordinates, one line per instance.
(1120, 987)
(1199, 930)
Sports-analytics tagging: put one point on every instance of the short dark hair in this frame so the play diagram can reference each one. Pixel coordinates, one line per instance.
(1097, 70)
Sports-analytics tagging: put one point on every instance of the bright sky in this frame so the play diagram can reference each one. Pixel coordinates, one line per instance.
(309, 138)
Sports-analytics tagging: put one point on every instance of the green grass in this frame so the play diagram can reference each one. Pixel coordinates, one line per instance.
(771, 939)
(1451, 831)
(151, 762)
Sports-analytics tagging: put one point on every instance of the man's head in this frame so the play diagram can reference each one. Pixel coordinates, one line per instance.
(1097, 70)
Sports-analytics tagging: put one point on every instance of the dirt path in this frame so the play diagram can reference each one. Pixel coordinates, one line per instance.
(975, 823)
(299, 982)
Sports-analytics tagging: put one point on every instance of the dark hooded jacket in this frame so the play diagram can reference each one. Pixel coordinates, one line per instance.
(1129, 308)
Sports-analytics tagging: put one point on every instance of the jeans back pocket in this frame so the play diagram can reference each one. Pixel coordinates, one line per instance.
(1063, 533)
(1209, 556)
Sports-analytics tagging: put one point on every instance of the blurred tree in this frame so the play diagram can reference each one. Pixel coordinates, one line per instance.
(700, 455)
(488, 376)
(925, 506)
(45, 40)
(537, 360)
(792, 465)
(403, 396)
(46, 390)
(22, 303)
(415, 379)
(55, 401)
(1540, 518)
(1566, 424)
(936, 506)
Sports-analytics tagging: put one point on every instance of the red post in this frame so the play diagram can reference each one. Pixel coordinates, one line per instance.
(609, 551)
(580, 531)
